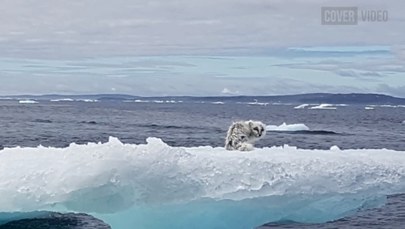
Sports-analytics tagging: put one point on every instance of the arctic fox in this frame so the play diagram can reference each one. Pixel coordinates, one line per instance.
(243, 134)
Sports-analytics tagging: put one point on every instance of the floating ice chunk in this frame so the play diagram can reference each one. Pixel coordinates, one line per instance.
(302, 106)
(334, 148)
(62, 100)
(369, 108)
(389, 106)
(88, 100)
(287, 127)
(27, 101)
(140, 101)
(324, 106)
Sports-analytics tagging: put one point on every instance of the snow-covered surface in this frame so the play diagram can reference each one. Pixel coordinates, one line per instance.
(155, 186)
(287, 127)
(27, 101)
(324, 106)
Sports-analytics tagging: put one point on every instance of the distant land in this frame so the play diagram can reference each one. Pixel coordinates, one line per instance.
(313, 98)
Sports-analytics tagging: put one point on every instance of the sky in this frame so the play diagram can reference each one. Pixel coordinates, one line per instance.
(200, 48)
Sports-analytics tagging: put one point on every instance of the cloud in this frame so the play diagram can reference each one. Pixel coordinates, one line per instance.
(370, 67)
(196, 47)
(198, 76)
(391, 90)
(399, 51)
(70, 29)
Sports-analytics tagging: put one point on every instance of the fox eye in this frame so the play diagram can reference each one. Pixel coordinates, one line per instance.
(257, 129)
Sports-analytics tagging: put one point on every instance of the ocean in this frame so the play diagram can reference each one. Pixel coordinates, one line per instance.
(191, 125)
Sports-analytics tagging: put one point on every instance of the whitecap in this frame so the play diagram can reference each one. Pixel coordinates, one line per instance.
(257, 103)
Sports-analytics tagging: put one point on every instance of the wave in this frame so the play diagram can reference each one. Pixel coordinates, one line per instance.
(387, 106)
(256, 102)
(43, 120)
(89, 122)
(156, 186)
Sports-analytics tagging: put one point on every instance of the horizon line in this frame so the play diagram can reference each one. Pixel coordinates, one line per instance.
(164, 96)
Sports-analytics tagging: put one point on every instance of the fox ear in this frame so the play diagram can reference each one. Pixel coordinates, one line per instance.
(250, 124)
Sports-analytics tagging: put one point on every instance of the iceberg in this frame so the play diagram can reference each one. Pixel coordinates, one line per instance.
(156, 186)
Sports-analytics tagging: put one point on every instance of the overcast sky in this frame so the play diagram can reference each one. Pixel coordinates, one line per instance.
(190, 47)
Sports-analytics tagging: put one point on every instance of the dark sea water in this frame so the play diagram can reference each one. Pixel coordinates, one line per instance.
(196, 124)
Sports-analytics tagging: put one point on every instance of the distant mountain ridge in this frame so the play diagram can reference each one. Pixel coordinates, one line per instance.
(312, 98)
